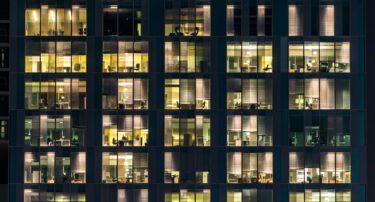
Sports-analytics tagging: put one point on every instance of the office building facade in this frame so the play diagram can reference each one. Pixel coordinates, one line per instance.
(187, 100)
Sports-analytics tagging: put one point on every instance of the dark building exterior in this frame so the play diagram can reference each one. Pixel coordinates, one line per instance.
(4, 96)
(187, 100)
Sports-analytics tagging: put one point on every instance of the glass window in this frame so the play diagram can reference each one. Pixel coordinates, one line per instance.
(320, 130)
(187, 19)
(187, 195)
(249, 94)
(50, 57)
(4, 129)
(71, 168)
(50, 94)
(234, 94)
(53, 130)
(79, 59)
(48, 20)
(125, 195)
(132, 93)
(265, 167)
(234, 23)
(63, 93)
(265, 58)
(47, 94)
(110, 55)
(342, 94)
(109, 167)
(124, 167)
(234, 57)
(63, 21)
(327, 57)
(319, 94)
(249, 130)
(296, 58)
(324, 57)
(187, 56)
(295, 15)
(79, 20)
(110, 19)
(184, 94)
(47, 167)
(234, 167)
(129, 130)
(327, 95)
(171, 167)
(32, 22)
(123, 18)
(187, 131)
(109, 98)
(172, 94)
(327, 20)
(133, 56)
(242, 57)
(311, 51)
(32, 94)
(63, 57)
(342, 57)
(249, 167)
(125, 56)
(335, 167)
(31, 168)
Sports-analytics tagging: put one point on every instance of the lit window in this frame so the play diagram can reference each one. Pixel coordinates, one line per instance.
(187, 131)
(187, 94)
(314, 94)
(55, 94)
(253, 195)
(295, 13)
(250, 131)
(125, 57)
(186, 20)
(139, 195)
(51, 57)
(249, 57)
(327, 20)
(128, 130)
(249, 94)
(176, 171)
(249, 167)
(190, 195)
(312, 130)
(125, 94)
(125, 167)
(187, 57)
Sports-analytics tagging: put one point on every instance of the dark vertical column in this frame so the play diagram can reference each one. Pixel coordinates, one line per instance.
(280, 102)
(156, 97)
(218, 97)
(16, 100)
(94, 103)
(358, 102)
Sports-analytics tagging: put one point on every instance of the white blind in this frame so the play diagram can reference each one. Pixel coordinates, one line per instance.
(327, 20)
(295, 20)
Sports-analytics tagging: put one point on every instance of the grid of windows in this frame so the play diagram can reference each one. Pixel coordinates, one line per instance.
(171, 104)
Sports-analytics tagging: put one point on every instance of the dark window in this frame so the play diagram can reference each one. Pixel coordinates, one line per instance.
(4, 57)
(110, 20)
(4, 105)
(4, 78)
(4, 32)
(4, 10)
